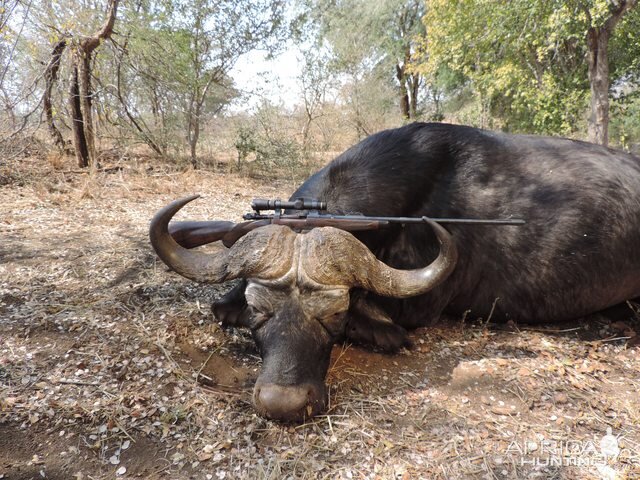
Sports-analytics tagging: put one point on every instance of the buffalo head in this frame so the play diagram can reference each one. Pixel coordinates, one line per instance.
(297, 298)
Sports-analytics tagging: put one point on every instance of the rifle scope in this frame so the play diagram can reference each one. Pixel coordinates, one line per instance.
(298, 204)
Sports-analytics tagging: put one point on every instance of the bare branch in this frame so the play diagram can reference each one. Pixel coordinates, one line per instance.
(9, 59)
(89, 44)
(51, 76)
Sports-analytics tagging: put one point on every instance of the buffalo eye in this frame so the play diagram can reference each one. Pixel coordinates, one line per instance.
(333, 324)
(258, 318)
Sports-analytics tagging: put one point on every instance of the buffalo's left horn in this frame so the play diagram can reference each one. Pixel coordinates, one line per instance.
(390, 282)
(194, 265)
(339, 258)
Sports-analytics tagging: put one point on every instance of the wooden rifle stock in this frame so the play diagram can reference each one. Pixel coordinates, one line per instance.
(241, 229)
(299, 224)
(195, 234)
(307, 223)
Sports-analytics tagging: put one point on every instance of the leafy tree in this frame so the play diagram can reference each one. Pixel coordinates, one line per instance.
(51, 30)
(602, 18)
(368, 102)
(369, 37)
(19, 79)
(268, 137)
(176, 57)
(625, 122)
(167, 63)
(526, 59)
(316, 81)
(221, 32)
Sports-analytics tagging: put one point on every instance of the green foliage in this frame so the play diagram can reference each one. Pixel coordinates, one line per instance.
(625, 122)
(361, 32)
(370, 42)
(246, 143)
(525, 59)
(624, 49)
(369, 103)
(175, 57)
(164, 77)
(266, 147)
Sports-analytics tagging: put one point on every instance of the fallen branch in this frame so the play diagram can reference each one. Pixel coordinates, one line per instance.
(78, 382)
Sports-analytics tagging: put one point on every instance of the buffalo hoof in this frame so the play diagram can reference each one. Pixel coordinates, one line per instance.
(289, 403)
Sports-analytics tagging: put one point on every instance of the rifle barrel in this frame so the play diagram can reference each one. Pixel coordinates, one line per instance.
(363, 218)
(469, 221)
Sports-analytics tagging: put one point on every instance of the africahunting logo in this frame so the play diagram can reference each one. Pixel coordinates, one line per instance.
(607, 451)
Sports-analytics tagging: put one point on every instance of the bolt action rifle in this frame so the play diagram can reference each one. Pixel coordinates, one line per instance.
(300, 214)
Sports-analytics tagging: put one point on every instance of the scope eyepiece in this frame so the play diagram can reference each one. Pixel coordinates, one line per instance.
(298, 204)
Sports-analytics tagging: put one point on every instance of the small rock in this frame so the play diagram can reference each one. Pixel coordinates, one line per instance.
(524, 372)
(560, 397)
(177, 457)
(502, 410)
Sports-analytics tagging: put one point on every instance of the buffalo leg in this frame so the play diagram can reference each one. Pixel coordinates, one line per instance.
(232, 309)
(370, 325)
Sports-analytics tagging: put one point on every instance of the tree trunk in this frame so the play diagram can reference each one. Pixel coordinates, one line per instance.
(159, 121)
(194, 136)
(598, 59)
(50, 77)
(413, 81)
(402, 91)
(84, 77)
(306, 132)
(196, 107)
(598, 128)
(77, 122)
(80, 91)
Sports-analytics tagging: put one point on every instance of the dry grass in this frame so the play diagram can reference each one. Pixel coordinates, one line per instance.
(110, 366)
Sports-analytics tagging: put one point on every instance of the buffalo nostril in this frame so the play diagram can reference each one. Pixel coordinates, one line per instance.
(288, 402)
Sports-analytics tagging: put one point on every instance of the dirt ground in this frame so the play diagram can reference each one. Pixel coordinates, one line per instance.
(113, 367)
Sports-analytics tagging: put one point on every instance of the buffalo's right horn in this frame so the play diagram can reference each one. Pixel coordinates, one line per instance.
(257, 254)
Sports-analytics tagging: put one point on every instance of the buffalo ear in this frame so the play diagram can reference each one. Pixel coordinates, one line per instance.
(232, 309)
(368, 324)
(231, 315)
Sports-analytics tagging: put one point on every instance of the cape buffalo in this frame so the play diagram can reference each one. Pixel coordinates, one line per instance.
(578, 253)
